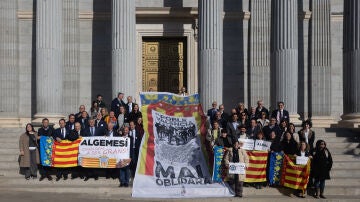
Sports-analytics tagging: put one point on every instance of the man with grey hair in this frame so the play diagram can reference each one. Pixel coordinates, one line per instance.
(260, 108)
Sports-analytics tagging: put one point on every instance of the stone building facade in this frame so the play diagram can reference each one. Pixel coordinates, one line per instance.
(56, 55)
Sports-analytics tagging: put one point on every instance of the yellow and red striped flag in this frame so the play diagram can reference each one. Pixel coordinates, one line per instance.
(256, 172)
(65, 153)
(295, 176)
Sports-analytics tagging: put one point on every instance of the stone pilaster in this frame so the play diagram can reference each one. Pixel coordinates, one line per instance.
(259, 51)
(71, 55)
(210, 51)
(49, 74)
(284, 55)
(123, 47)
(320, 63)
(9, 78)
(351, 64)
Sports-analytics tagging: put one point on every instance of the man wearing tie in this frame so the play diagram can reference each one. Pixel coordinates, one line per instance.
(74, 135)
(281, 114)
(110, 132)
(70, 124)
(183, 91)
(61, 134)
(92, 131)
(129, 104)
(136, 139)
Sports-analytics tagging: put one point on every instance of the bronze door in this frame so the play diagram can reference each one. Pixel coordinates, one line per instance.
(163, 62)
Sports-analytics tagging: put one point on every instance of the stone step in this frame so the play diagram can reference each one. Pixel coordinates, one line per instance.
(112, 189)
(345, 157)
(346, 165)
(345, 173)
(345, 145)
(8, 158)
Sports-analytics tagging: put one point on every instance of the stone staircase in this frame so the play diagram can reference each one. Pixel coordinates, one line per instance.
(344, 185)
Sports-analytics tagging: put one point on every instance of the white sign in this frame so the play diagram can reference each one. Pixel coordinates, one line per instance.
(301, 160)
(248, 143)
(237, 168)
(103, 152)
(262, 145)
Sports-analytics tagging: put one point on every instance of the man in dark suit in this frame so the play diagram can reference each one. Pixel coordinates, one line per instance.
(99, 122)
(129, 105)
(70, 124)
(79, 114)
(47, 131)
(272, 127)
(211, 112)
(125, 169)
(116, 103)
(111, 132)
(61, 134)
(232, 127)
(260, 108)
(100, 102)
(136, 137)
(253, 129)
(74, 135)
(84, 120)
(281, 114)
(92, 131)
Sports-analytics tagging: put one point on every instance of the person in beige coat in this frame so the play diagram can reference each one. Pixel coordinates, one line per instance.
(236, 155)
(29, 154)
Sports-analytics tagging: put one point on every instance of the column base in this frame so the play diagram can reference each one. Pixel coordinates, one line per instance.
(53, 119)
(295, 119)
(322, 121)
(351, 120)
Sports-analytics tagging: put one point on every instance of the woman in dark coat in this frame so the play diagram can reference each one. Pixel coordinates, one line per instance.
(288, 144)
(321, 166)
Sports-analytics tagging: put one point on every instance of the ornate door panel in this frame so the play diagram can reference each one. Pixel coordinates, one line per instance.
(163, 64)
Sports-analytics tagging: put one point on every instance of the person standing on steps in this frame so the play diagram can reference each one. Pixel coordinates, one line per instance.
(45, 130)
(321, 166)
(29, 154)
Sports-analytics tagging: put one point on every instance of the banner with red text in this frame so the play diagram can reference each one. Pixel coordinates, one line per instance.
(103, 152)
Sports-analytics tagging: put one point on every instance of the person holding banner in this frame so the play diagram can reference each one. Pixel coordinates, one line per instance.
(236, 161)
(303, 152)
(45, 130)
(288, 144)
(61, 133)
(224, 140)
(124, 177)
(321, 166)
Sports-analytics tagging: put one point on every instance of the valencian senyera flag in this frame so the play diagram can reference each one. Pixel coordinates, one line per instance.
(171, 159)
(147, 98)
(294, 176)
(59, 154)
(256, 172)
(275, 165)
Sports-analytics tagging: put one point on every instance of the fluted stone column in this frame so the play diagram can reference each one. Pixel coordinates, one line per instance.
(123, 47)
(9, 76)
(320, 63)
(210, 51)
(351, 54)
(71, 55)
(284, 55)
(49, 74)
(260, 51)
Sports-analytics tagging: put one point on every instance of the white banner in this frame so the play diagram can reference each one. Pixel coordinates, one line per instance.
(301, 160)
(237, 168)
(262, 145)
(179, 167)
(248, 144)
(103, 152)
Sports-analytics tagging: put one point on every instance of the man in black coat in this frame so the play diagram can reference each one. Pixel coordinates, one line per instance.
(47, 131)
(116, 103)
(260, 108)
(70, 124)
(272, 127)
(61, 134)
(136, 139)
(129, 105)
(92, 131)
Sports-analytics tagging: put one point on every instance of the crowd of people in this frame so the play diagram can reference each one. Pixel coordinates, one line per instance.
(227, 130)
(122, 120)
